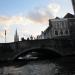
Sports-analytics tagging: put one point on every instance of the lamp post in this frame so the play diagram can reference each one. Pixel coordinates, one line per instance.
(5, 36)
(73, 3)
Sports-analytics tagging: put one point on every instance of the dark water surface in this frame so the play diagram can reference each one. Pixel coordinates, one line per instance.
(59, 66)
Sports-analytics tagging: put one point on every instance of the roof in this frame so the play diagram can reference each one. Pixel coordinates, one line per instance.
(57, 18)
(47, 30)
(69, 15)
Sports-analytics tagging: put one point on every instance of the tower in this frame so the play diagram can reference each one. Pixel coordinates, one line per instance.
(16, 37)
(73, 3)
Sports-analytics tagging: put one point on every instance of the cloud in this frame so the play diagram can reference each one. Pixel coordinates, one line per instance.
(38, 15)
(10, 20)
(42, 15)
(36, 20)
(54, 8)
(1, 34)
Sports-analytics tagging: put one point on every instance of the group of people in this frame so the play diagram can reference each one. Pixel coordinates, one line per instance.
(31, 38)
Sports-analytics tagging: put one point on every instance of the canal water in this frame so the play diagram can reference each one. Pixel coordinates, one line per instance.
(61, 66)
(54, 66)
(44, 67)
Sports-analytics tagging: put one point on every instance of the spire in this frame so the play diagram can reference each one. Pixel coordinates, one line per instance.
(16, 37)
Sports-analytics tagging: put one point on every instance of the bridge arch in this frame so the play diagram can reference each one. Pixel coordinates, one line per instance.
(47, 51)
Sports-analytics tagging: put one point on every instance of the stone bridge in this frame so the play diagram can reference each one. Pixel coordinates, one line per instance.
(62, 47)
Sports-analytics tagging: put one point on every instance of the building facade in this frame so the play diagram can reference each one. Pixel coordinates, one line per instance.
(71, 22)
(60, 27)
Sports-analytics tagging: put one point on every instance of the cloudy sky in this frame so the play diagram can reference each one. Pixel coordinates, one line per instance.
(29, 17)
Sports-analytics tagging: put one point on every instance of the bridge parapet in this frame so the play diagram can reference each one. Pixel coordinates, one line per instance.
(61, 46)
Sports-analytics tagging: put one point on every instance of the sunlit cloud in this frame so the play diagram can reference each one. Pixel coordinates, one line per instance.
(1, 34)
(10, 20)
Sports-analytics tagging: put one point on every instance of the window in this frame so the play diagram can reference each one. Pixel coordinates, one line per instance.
(61, 32)
(66, 31)
(56, 32)
(57, 25)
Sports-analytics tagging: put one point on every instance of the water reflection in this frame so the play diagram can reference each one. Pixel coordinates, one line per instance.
(32, 68)
(34, 63)
(29, 56)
